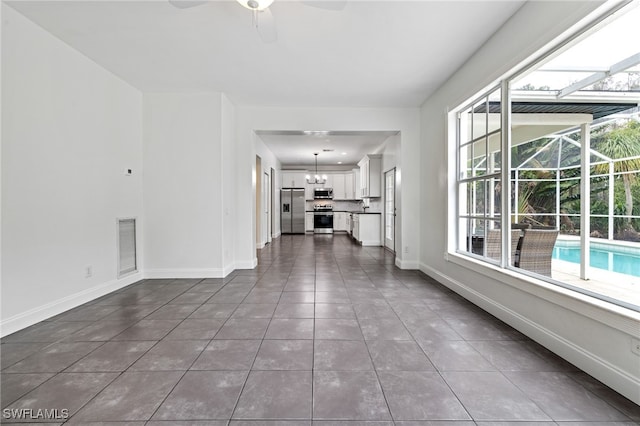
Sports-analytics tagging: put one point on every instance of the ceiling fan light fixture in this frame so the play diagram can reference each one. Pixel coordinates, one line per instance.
(255, 4)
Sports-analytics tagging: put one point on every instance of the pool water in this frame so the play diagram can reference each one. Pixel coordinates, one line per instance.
(609, 259)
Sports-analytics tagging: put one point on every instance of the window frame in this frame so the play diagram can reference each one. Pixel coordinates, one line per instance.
(504, 83)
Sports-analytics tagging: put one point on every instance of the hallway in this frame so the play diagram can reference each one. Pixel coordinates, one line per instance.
(321, 330)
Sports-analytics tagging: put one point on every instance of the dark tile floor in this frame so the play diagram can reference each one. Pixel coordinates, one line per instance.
(322, 330)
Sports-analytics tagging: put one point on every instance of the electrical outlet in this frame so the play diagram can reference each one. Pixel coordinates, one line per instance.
(635, 346)
(88, 271)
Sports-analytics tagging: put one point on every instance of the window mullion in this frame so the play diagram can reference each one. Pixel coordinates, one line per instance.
(505, 176)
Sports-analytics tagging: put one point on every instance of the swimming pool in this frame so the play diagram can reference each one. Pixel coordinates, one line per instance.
(621, 259)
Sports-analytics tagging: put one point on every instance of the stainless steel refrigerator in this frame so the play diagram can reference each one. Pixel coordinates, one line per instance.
(292, 210)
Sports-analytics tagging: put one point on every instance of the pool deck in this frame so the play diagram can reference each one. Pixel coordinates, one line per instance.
(607, 283)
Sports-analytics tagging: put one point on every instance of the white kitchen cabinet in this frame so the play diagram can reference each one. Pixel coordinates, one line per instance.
(357, 192)
(343, 186)
(340, 221)
(339, 190)
(349, 193)
(294, 178)
(349, 218)
(308, 222)
(370, 175)
(308, 190)
(356, 227)
(366, 229)
(329, 182)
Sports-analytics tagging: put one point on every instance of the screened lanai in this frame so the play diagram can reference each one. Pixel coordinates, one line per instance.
(546, 177)
(573, 128)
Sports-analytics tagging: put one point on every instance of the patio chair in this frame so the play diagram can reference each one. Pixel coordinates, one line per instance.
(535, 249)
(494, 243)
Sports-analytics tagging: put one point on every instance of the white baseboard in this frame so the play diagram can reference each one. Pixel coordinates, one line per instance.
(40, 313)
(600, 368)
(372, 243)
(406, 264)
(247, 265)
(276, 235)
(186, 273)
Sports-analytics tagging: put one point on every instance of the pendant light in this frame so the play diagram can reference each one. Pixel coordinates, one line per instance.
(316, 180)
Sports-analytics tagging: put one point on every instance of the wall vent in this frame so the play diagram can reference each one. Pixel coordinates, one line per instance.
(127, 256)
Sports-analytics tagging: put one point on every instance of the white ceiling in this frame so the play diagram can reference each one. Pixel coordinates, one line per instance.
(370, 54)
(346, 148)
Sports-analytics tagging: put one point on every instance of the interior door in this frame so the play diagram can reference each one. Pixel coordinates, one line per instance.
(390, 209)
(272, 211)
(266, 207)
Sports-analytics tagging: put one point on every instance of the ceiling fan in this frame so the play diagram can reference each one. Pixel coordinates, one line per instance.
(263, 20)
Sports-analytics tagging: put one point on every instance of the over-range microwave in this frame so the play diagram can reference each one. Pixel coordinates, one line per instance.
(322, 193)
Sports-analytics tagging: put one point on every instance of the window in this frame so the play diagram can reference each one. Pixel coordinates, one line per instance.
(573, 175)
(479, 158)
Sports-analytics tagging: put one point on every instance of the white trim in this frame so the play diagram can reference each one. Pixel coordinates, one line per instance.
(406, 264)
(247, 265)
(48, 310)
(227, 270)
(260, 246)
(594, 365)
(615, 316)
(185, 273)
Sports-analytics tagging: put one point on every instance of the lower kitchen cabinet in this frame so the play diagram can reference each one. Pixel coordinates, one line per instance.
(340, 221)
(308, 222)
(366, 229)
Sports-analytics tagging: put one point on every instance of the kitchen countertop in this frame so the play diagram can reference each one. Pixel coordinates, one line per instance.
(343, 211)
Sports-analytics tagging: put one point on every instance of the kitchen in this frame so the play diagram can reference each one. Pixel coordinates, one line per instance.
(335, 201)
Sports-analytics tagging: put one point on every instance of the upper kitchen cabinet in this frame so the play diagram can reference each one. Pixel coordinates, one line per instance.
(329, 183)
(357, 192)
(343, 186)
(370, 176)
(294, 178)
(339, 190)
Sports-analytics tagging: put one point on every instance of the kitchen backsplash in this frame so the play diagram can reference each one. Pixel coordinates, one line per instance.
(374, 206)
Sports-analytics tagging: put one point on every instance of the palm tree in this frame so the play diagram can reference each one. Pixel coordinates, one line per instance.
(622, 142)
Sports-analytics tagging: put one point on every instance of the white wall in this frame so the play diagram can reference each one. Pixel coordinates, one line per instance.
(593, 335)
(270, 161)
(185, 198)
(229, 189)
(404, 120)
(70, 129)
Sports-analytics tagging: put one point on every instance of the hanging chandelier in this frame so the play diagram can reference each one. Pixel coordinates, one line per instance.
(316, 179)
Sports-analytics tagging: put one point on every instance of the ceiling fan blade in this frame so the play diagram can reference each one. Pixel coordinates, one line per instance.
(185, 4)
(266, 26)
(326, 4)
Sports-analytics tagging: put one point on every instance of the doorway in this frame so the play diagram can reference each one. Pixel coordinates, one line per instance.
(266, 207)
(273, 204)
(390, 209)
(258, 175)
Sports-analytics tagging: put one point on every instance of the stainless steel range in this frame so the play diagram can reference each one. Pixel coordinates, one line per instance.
(323, 219)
